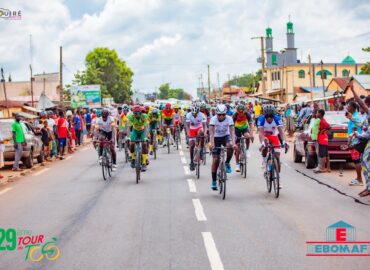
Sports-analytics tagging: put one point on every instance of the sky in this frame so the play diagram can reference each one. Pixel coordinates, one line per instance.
(174, 40)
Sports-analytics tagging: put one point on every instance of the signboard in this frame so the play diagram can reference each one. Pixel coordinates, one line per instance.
(85, 96)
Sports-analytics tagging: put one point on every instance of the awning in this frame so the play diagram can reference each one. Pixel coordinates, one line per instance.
(31, 109)
(274, 91)
(256, 95)
(323, 98)
(27, 115)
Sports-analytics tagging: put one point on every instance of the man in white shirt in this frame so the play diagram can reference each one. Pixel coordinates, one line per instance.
(221, 132)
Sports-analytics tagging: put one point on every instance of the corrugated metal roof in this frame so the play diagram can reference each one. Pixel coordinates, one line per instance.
(363, 80)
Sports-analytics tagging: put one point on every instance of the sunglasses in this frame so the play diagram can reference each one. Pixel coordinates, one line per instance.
(221, 114)
(138, 113)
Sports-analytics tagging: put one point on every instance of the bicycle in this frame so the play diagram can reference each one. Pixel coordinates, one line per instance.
(120, 141)
(199, 155)
(155, 143)
(127, 151)
(106, 159)
(221, 171)
(243, 159)
(138, 158)
(177, 136)
(271, 172)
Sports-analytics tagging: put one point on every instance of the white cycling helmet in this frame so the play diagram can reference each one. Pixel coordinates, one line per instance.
(221, 109)
(269, 109)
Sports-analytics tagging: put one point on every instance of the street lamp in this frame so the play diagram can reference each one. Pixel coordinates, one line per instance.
(323, 76)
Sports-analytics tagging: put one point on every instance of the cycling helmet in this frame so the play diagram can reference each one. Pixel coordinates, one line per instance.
(43, 113)
(155, 111)
(119, 108)
(136, 109)
(176, 106)
(146, 108)
(195, 110)
(105, 113)
(203, 106)
(125, 107)
(221, 109)
(161, 107)
(268, 109)
(240, 107)
(168, 106)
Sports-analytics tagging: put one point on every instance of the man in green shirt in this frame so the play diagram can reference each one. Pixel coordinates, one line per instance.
(19, 141)
(314, 134)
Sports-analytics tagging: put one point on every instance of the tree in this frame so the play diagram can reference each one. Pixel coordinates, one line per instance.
(165, 92)
(366, 68)
(104, 67)
(246, 80)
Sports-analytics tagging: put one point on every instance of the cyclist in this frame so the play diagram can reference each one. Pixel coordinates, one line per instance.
(243, 126)
(153, 126)
(221, 131)
(122, 122)
(195, 126)
(167, 120)
(177, 118)
(270, 125)
(105, 125)
(118, 123)
(139, 122)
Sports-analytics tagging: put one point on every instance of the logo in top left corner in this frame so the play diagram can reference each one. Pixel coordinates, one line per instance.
(8, 14)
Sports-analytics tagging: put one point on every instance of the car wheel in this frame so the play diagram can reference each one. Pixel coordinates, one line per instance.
(40, 158)
(296, 156)
(310, 161)
(28, 161)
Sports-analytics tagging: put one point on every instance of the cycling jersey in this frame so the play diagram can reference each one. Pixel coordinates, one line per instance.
(105, 126)
(153, 117)
(168, 115)
(243, 121)
(221, 128)
(138, 124)
(270, 129)
(123, 119)
(195, 122)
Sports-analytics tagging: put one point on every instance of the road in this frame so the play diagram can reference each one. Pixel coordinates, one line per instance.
(171, 220)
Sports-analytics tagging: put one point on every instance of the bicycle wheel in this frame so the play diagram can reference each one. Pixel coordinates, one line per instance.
(224, 178)
(109, 164)
(275, 177)
(268, 177)
(105, 175)
(119, 143)
(177, 140)
(196, 161)
(204, 156)
(245, 164)
(220, 186)
(168, 142)
(138, 167)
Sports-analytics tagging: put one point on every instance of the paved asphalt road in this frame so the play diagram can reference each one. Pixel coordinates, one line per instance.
(171, 220)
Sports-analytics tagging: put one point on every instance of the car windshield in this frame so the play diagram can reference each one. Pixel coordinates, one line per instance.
(336, 119)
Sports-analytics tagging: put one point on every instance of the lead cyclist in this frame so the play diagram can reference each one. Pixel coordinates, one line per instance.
(270, 126)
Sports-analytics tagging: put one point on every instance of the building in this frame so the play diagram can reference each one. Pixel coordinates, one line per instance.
(47, 83)
(285, 74)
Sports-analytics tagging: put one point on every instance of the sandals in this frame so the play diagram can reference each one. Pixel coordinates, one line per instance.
(364, 193)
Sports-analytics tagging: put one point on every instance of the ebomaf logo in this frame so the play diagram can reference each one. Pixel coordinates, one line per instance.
(8, 14)
(340, 241)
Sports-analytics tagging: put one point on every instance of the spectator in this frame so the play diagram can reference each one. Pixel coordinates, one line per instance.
(304, 113)
(290, 127)
(354, 126)
(72, 136)
(88, 122)
(45, 138)
(62, 134)
(83, 127)
(19, 141)
(257, 110)
(2, 149)
(314, 135)
(52, 128)
(323, 142)
(77, 127)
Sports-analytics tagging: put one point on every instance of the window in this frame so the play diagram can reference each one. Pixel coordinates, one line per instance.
(345, 73)
(273, 59)
(301, 74)
(278, 75)
(273, 76)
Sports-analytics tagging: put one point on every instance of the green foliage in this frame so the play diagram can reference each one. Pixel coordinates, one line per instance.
(165, 92)
(366, 68)
(246, 80)
(104, 67)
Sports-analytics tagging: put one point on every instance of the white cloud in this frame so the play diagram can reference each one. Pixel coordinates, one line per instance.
(173, 41)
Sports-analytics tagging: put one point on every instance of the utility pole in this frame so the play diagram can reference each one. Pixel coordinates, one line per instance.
(31, 86)
(61, 74)
(310, 77)
(209, 84)
(322, 79)
(6, 99)
(218, 82)
(262, 65)
(44, 83)
(202, 85)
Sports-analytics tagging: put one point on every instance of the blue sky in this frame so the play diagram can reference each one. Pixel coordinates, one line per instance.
(174, 40)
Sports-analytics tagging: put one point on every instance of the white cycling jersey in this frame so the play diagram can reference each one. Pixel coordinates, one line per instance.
(195, 122)
(270, 129)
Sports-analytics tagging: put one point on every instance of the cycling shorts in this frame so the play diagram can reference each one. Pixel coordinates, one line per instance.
(274, 140)
(240, 132)
(193, 132)
(137, 135)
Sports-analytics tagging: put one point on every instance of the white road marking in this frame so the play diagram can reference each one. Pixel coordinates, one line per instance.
(186, 169)
(181, 153)
(42, 171)
(183, 160)
(199, 213)
(213, 256)
(288, 166)
(85, 149)
(192, 187)
(5, 190)
(180, 147)
(68, 157)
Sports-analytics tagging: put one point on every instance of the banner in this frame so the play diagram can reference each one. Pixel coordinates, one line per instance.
(85, 96)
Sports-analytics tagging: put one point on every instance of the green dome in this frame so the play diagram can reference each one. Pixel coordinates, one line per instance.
(348, 60)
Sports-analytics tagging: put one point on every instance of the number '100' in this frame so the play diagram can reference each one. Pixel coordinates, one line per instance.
(9, 236)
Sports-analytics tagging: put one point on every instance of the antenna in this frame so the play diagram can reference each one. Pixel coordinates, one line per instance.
(289, 17)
